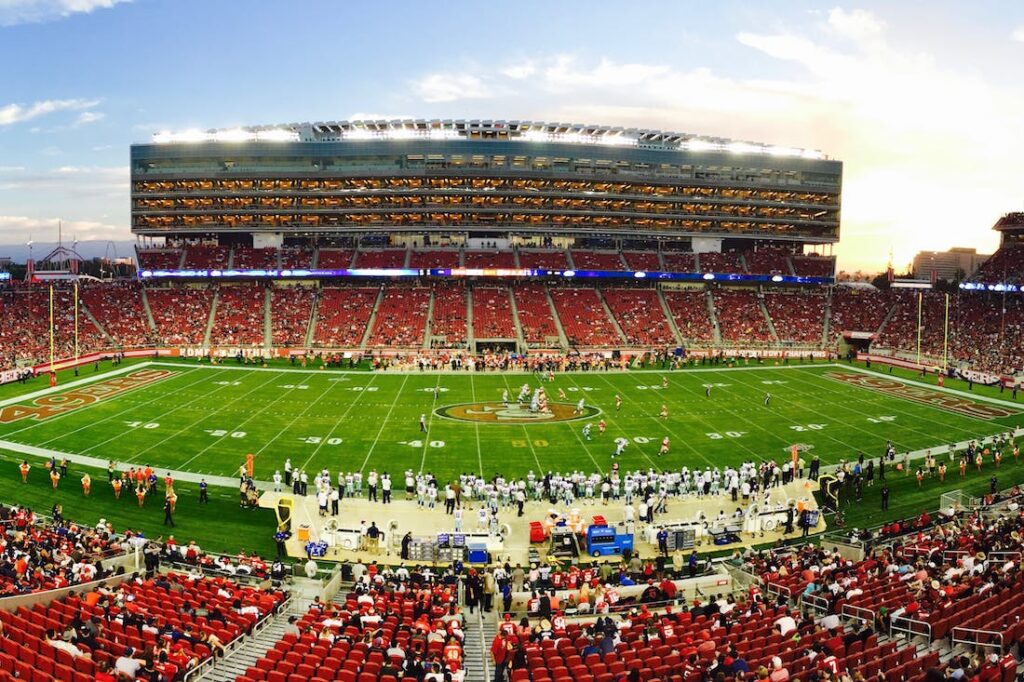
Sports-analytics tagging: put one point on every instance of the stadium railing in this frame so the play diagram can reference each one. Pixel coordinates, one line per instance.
(858, 613)
(910, 627)
(976, 637)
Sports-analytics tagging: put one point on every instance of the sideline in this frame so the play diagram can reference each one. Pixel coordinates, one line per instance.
(77, 382)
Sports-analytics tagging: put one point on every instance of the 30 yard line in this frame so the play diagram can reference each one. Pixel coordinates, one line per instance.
(248, 419)
(338, 422)
(384, 424)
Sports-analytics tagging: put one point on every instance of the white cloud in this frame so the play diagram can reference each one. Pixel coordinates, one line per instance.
(909, 126)
(1018, 34)
(19, 228)
(87, 117)
(520, 70)
(31, 11)
(19, 113)
(449, 87)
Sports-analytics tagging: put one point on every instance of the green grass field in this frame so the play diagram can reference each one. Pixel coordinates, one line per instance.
(204, 419)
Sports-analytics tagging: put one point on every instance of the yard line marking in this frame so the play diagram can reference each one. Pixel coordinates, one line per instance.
(299, 416)
(384, 425)
(430, 418)
(529, 441)
(79, 410)
(244, 422)
(823, 414)
(338, 422)
(828, 381)
(122, 434)
(941, 389)
(664, 425)
(476, 427)
(125, 411)
(624, 433)
(200, 420)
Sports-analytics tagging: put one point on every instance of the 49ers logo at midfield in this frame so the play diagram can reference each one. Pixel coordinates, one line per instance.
(497, 413)
(943, 401)
(52, 405)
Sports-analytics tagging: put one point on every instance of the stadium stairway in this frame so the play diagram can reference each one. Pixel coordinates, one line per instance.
(520, 339)
(373, 316)
(470, 337)
(562, 338)
(744, 268)
(251, 650)
(789, 264)
(210, 319)
(888, 316)
(429, 321)
(608, 312)
(149, 312)
(667, 312)
(88, 314)
(826, 326)
(480, 629)
(313, 314)
(767, 316)
(712, 314)
(268, 333)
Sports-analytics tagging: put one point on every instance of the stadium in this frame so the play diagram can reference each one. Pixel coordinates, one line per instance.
(444, 375)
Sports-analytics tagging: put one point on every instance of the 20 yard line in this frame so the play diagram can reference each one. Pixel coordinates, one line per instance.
(384, 424)
(201, 419)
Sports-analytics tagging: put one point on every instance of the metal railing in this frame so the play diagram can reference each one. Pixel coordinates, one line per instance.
(815, 603)
(858, 613)
(976, 637)
(237, 644)
(910, 627)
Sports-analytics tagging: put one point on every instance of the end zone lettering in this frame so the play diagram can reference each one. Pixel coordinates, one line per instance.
(943, 401)
(52, 405)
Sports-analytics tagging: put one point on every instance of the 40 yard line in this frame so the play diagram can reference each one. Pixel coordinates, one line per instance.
(384, 424)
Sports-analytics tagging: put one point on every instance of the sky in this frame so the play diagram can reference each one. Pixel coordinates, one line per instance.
(922, 101)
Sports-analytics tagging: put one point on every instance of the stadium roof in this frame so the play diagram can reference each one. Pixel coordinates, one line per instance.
(458, 129)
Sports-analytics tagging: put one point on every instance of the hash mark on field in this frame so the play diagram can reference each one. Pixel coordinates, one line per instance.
(309, 405)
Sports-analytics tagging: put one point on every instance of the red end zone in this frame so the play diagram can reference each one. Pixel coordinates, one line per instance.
(925, 396)
(52, 405)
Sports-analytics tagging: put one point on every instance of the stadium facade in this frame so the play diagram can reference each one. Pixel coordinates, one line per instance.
(308, 183)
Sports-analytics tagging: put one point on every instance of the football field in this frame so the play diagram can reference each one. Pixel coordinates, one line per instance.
(183, 416)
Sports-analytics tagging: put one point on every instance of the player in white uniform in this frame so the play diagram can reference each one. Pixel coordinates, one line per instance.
(580, 406)
(586, 431)
(620, 447)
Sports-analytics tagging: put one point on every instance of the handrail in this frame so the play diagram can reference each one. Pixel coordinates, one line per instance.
(814, 602)
(977, 641)
(858, 613)
(238, 643)
(484, 649)
(911, 627)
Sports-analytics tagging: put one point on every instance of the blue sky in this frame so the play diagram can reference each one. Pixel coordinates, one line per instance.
(921, 100)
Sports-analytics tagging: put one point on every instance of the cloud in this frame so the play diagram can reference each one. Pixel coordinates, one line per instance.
(14, 12)
(449, 87)
(1018, 34)
(87, 117)
(19, 228)
(520, 70)
(910, 126)
(67, 180)
(19, 113)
